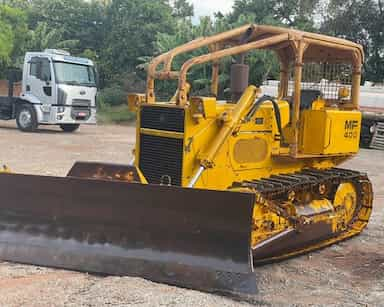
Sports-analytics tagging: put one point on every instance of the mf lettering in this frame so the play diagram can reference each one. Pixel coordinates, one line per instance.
(350, 129)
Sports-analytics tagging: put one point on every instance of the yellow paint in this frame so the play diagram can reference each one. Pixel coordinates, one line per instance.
(5, 169)
(344, 92)
(134, 100)
(346, 201)
(252, 150)
(330, 131)
(322, 132)
(141, 176)
(166, 134)
(232, 146)
(318, 104)
(203, 108)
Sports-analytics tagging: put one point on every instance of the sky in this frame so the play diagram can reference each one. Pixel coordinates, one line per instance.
(208, 7)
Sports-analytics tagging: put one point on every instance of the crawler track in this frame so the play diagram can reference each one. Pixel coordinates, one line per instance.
(277, 189)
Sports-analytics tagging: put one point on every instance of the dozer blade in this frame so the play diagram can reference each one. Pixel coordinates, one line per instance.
(174, 235)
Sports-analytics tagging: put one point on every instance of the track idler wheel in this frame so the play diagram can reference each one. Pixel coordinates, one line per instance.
(346, 200)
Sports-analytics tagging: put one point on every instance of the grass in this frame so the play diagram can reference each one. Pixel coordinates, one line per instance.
(115, 115)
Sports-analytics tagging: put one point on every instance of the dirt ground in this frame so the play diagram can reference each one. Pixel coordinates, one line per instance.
(348, 274)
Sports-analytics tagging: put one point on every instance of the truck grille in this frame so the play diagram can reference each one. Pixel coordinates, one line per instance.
(85, 103)
(162, 118)
(161, 159)
(81, 109)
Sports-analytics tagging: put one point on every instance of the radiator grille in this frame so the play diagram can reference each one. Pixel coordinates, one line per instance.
(162, 118)
(160, 157)
(81, 109)
(86, 103)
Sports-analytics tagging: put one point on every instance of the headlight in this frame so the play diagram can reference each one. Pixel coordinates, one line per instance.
(46, 108)
(372, 129)
(203, 108)
(60, 110)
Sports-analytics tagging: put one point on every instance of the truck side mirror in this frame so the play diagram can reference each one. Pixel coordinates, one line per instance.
(97, 79)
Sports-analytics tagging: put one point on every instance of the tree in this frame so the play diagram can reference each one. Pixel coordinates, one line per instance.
(13, 35)
(133, 26)
(20, 4)
(44, 37)
(361, 21)
(76, 20)
(6, 46)
(124, 35)
(293, 13)
(185, 32)
(182, 9)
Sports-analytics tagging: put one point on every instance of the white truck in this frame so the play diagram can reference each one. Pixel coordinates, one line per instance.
(56, 89)
(372, 106)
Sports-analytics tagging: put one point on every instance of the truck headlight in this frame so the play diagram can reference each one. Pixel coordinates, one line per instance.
(372, 129)
(46, 108)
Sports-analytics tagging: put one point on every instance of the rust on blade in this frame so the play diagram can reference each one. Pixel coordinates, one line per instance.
(115, 227)
(106, 171)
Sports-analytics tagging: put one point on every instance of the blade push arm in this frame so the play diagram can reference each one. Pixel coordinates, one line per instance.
(229, 122)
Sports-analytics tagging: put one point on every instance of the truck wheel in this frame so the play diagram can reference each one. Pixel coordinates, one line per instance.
(69, 127)
(26, 118)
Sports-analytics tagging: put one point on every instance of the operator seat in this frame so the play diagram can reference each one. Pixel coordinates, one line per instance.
(307, 97)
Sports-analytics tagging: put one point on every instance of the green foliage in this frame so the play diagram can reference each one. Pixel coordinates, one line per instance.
(182, 9)
(75, 20)
(13, 35)
(6, 46)
(199, 76)
(20, 4)
(43, 37)
(122, 36)
(89, 54)
(115, 114)
(292, 13)
(361, 21)
(263, 64)
(113, 96)
(132, 28)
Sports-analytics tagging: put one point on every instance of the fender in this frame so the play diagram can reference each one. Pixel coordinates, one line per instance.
(32, 99)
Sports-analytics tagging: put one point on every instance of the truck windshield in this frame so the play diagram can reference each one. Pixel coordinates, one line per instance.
(74, 74)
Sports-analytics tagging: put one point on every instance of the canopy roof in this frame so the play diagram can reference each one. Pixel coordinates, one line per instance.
(320, 47)
(285, 41)
(292, 47)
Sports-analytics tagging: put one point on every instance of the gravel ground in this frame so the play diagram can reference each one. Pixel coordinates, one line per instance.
(348, 274)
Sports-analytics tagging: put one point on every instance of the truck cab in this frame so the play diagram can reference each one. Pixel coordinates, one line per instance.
(56, 89)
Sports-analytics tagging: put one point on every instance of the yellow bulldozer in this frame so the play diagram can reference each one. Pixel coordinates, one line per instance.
(217, 185)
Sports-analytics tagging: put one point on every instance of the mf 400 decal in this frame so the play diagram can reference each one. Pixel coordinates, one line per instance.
(351, 129)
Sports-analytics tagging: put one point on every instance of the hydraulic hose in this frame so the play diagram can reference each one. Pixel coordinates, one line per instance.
(256, 106)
